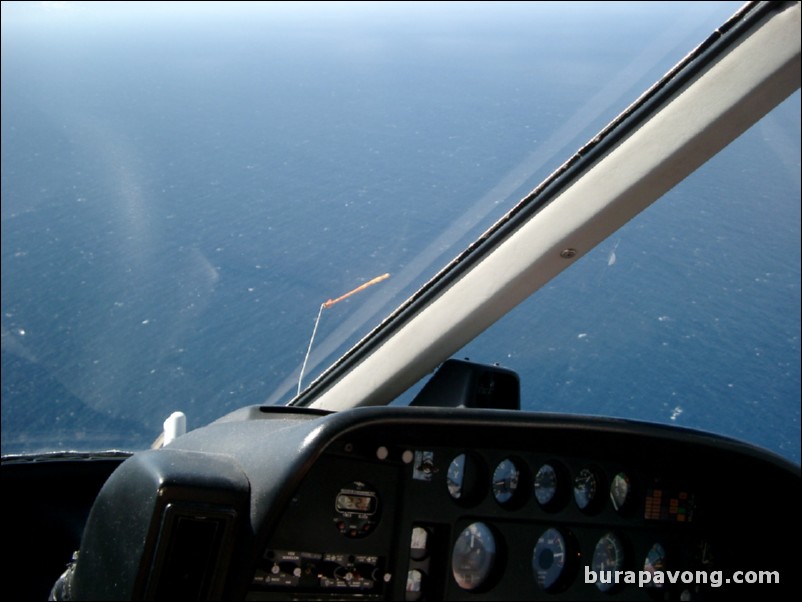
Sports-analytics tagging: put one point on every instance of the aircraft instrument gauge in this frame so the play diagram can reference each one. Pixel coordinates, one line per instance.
(586, 486)
(463, 479)
(546, 485)
(356, 509)
(620, 492)
(507, 479)
(473, 556)
(608, 557)
(551, 560)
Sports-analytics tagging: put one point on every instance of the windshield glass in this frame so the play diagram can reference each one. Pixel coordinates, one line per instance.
(689, 314)
(182, 188)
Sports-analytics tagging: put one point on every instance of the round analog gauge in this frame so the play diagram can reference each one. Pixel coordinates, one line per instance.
(655, 562)
(620, 491)
(506, 478)
(546, 485)
(455, 478)
(586, 485)
(473, 556)
(463, 479)
(550, 560)
(608, 557)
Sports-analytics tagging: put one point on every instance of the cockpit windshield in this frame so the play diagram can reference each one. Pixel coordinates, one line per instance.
(186, 185)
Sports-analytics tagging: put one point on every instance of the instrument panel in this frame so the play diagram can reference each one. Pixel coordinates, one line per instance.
(444, 504)
(514, 525)
(537, 520)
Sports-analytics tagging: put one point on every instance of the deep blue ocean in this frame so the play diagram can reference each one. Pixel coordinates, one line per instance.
(174, 213)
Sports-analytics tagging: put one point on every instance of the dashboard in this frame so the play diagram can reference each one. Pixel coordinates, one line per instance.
(439, 504)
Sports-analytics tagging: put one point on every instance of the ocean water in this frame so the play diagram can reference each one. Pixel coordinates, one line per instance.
(174, 213)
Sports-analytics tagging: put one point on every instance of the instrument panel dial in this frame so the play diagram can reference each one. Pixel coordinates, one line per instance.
(473, 556)
(552, 560)
(586, 488)
(545, 485)
(465, 479)
(508, 483)
(608, 557)
(621, 492)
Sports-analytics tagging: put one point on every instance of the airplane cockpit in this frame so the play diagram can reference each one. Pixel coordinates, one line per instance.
(438, 503)
(402, 471)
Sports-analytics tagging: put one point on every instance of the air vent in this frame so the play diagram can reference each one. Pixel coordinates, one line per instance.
(189, 562)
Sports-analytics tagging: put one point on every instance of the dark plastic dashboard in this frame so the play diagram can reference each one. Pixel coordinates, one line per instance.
(437, 504)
